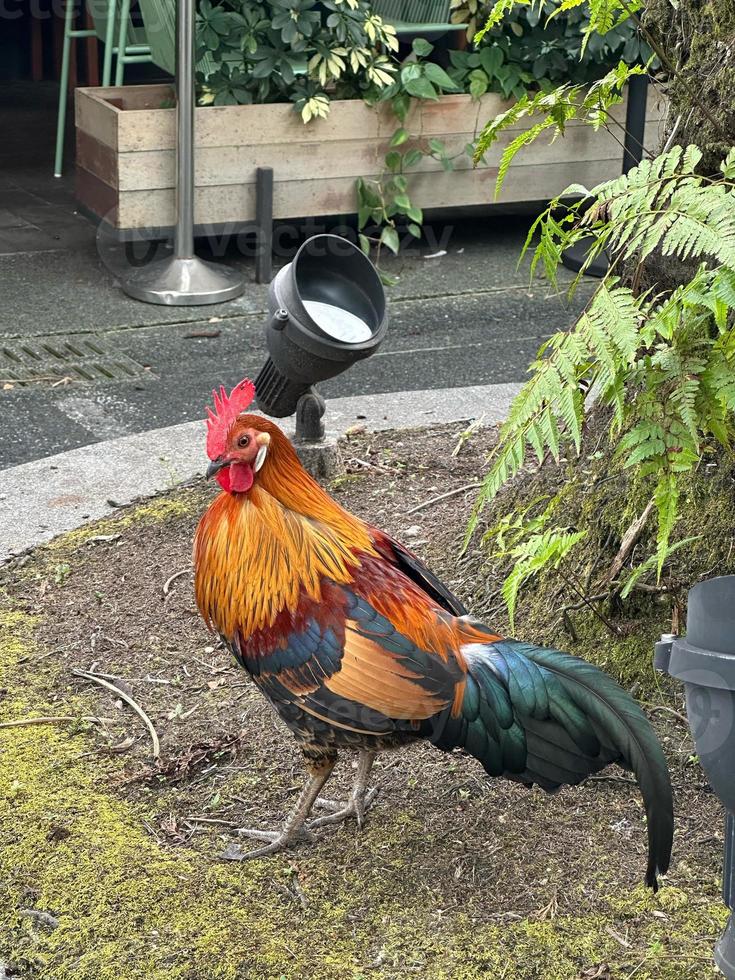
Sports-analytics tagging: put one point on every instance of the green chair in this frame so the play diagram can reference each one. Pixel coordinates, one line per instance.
(131, 48)
(159, 18)
(417, 18)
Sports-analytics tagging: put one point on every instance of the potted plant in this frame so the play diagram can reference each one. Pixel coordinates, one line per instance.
(361, 114)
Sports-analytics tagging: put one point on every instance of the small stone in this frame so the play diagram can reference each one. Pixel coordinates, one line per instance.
(321, 459)
(412, 532)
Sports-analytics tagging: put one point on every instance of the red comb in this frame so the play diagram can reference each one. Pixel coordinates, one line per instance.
(226, 409)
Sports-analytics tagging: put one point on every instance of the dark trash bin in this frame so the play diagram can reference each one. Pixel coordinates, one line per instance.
(704, 660)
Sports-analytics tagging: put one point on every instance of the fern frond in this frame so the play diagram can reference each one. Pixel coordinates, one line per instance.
(651, 562)
(498, 12)
(567, 102)
(538, 551)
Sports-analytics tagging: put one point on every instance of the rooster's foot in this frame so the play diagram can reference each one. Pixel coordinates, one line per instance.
(357, 807)
(277, 840)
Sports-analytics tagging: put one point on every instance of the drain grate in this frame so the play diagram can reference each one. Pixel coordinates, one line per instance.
(60, 358)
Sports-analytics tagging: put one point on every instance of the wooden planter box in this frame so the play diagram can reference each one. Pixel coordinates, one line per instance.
(125, 157)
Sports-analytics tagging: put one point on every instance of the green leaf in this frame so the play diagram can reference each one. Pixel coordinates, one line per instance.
(400, 136)
(422, 88)
(436, 74)
(415, 214)
(412, 157)
(389, 238)
(421, 47)
(491, 58)
(401, 104)
(666, 498)
(403, 201)
(478, 87)
(415, 230)
(364, 244)
(393, 160)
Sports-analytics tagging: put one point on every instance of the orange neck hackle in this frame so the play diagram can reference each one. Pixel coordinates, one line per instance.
(257, 553)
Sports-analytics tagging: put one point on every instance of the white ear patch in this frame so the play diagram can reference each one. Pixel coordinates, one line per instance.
(260, 458)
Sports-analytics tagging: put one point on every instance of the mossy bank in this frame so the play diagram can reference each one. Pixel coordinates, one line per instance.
(110, 864)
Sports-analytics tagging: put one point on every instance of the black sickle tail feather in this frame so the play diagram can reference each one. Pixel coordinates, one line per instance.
(545, 717)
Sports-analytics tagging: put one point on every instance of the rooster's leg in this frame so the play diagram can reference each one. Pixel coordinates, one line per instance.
(319, 772)
(360, 798)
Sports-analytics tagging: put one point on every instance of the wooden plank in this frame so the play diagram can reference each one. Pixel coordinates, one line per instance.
(292, 199)
(93, 115)
(352, 158)
(255, 125)
(97, 158)
(143, 126)
(97, 196)
(130, 97)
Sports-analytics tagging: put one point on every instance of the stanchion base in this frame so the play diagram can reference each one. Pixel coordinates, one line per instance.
(725, 950)
(184, 282)
(575, 256)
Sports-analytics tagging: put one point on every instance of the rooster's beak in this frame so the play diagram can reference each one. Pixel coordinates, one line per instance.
(215, 466)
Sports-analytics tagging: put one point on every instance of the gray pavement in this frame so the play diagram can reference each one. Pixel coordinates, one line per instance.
(84, 484)
(466, 317)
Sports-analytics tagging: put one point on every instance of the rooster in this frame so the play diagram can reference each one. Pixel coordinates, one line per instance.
(357, 645)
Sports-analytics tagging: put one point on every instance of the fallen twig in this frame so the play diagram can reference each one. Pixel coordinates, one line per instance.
(88, 675)
(369, 466)
(589, 603)
(670, 711)
(629, 540)
(611, 779)
(55, 720)
(617, 937)
(172, 578)
(225, 823)
(443, 496)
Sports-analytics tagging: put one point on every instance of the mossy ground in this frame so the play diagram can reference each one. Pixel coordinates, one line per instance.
(453, 876)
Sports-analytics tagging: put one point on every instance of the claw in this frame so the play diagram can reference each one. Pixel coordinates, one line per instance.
(276, 841)
(357, 808)
(331, 805)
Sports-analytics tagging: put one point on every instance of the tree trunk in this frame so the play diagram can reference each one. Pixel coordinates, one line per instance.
(698, 39)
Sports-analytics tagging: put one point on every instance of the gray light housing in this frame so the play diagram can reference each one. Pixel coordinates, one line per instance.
(704, 660)
(326, 269)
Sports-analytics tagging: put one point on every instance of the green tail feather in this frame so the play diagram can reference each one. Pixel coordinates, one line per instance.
(545, 717)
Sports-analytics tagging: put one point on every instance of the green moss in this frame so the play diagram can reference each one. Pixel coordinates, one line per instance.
(593, 493)
(131, 907)
(153, 512)
(697, 37)
(16, 634)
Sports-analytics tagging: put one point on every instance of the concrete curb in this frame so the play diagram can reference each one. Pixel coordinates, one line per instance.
(47, 497)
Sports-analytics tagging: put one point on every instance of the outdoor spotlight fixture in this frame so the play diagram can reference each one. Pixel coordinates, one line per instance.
(704, 660)
(327, 311)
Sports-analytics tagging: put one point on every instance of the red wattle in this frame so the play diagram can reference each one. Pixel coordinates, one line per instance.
(241, 477)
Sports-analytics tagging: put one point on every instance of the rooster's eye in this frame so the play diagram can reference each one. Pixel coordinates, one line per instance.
(243, 441)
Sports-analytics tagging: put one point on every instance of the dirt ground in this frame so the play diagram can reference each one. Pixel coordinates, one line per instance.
(110, 862)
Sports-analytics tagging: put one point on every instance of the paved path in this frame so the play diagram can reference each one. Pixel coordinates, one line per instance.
(74, 487)
(465, 317)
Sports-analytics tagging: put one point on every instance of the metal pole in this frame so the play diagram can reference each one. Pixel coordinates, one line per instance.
(182, 279)
(635, 127)
(185, 31)
(635, 122)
